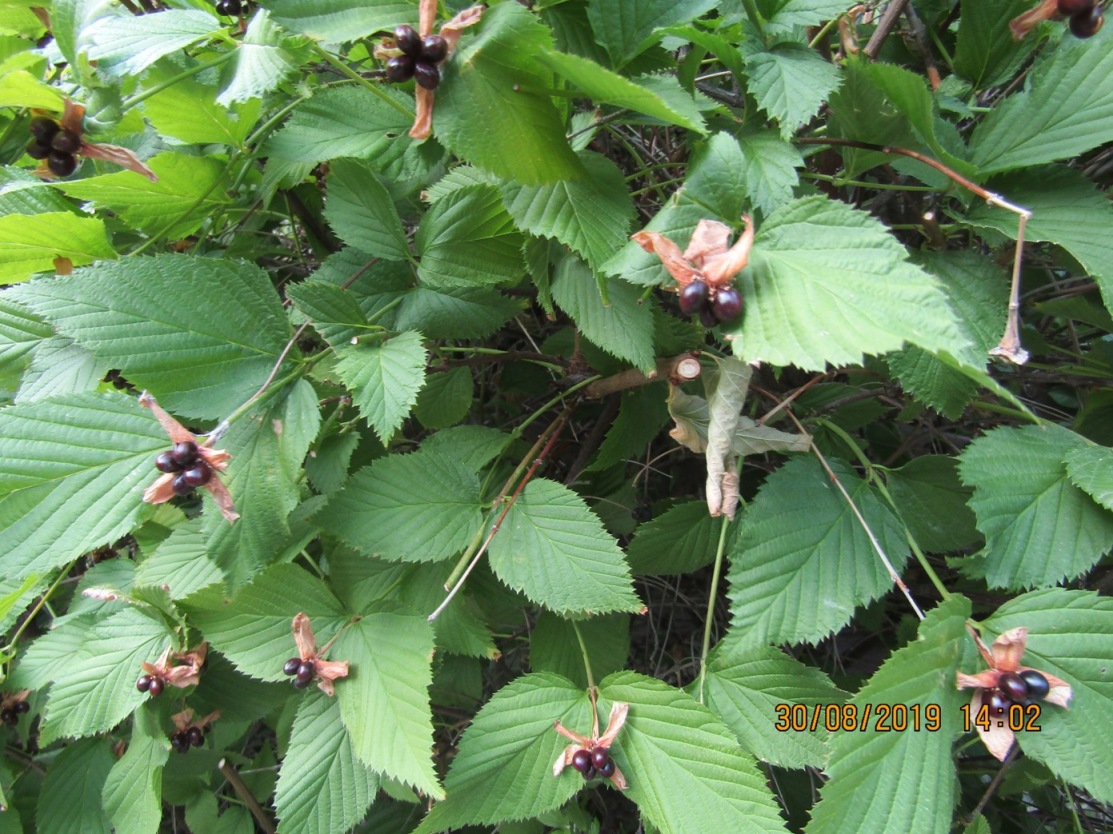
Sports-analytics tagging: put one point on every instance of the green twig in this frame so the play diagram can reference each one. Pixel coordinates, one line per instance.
(170, 82)
(713, 596)
(583, 652)
(344, 69)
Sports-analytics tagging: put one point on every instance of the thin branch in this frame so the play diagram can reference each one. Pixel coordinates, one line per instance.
(682, 368)
(248, 798)
(884, 27)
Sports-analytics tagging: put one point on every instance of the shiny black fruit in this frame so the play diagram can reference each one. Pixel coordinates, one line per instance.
(144, 683)
(197, 475)
(581, 760)
(599, 757)
(707, 316)
(408, 40)
(37, 150)
(727, 305)
(180, 486)
(180, 742)
(433, 49)
(184, 453)
(400, 69)
(195, 736)
(1073, 7)
(1013, 687)
(1086, 24)
(9, 717)
(155, 687)
(608, 769)
(693, 297)
(166, 463)
(61, 164)
(229, 8)
(291, 666)
(43, 129)
(66, 141)
(1038, 687)
(304, 674)
(427, 75)
(22, 708)
(998, 703)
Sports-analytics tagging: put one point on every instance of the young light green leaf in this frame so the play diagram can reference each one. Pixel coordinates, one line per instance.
(21, 192)
(261, 62)
(626, 28)
(384, 379)
(268, 446)
(1066, 111)
(322, 786)
(749, 686)
(71, 793)
(591, 215)
(339, 21)
(97, 690)
(790, 14)
(1039, 527)
(790, 83)
(202, 333)
(468, 239)
(30, 244)
(803, 561)
(72, 477)
(421, 507)
(685, 770)
(184, 197)
(493, 108)
(384, 701)
(126, 44)
(681, 540)
(1070, 635)
(770, 168)
(187, 110)
(362, 213)
(133, 790)
(504, 767)
(254, 630)
(932, 502)
(907, 775)
(806, 307)
(624, 328)
(555, 551)
(17, 595)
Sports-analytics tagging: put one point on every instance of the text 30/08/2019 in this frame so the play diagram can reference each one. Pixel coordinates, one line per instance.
(881, 718)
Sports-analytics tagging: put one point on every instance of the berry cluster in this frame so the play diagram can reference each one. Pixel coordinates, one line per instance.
(55, 144)
(594, 762)
(714, 304)
(1017, 688)
(191, 471)
(419, 58)
(229, 8)
(302, 670)
(184, 739)
(1085, 16)
(150, 683)
(10, 715)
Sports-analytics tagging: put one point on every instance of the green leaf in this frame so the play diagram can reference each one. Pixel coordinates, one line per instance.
(125, 44)
(790, 83)
(71, 792)
(685, 770)
(803, 561)
(985, 51)
(334, 312)
(446, 399)
(1089, 469)
(268, 447)
(421, 507)
(808, 307)
(16, 597)
(554, 646)
(1039, 527)
(606, 87)
(254, 630)
(19, 88)
(133, 790)
(1066, 111)
(623, 328)
(72, 477)
(21, 192)
(641, 416)
(793, 13)
(901, 775)
(555, 551)
(338, 21)
(187, 110)
(1069, 635)
(180, 564)
(322, 786)
(97, 690)
(681, 540)
(260, 63)
(471, 446)
(201, 333)
(747, 684)
(591, 216)
(493, 106)
(384, 701)
(626, 28)
(30, 244)
(384, 379)
(176, 206)
(362, 213)
(455, 312)
(932, 502)
(468, 238)
(770, 166)
(60, 367)
(1066, 210)
(503, 769)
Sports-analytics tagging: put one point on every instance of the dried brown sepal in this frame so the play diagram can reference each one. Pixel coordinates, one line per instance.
(180, 669)
(1025, 22)
(709, 257)
(184, 720)
(10, 699)
(73, 119)
(161, 490)
(615, 723)
(427, 16)
(324, 671)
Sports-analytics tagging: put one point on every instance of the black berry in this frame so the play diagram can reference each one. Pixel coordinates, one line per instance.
(1073, 7)
(581, 760)
(433, 49)
(37, 150)
(1086, 24)
(184, 453)
(9, 717)
(998, 703)
(408, 40)
(607, 770)
(144, 683)
(727, 304)
(43, 129)
(22, 708)
(61, 164)
(599, 757)
(1013, 687)
(693, 297)
(197, 475)
(166, 463)
(66, 141)
(291, 666)
(427, 75)
(1038, 687)
(229, 8)
(400, 69)
(304, 674)
(180, 486)
(707, 316)
(180, 741)
(155, 687)
(195, 736)
(589, 774)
